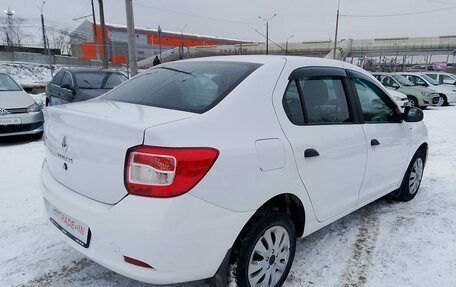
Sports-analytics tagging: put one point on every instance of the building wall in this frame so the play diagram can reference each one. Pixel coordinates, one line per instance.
(147, 42)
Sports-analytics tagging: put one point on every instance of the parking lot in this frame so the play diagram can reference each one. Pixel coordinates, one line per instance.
(383, 244)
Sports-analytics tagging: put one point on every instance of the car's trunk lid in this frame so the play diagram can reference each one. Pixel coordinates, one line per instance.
(86, 144)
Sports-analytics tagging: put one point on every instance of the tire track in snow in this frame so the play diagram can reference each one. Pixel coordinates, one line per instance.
(356, 271)
(51, 276)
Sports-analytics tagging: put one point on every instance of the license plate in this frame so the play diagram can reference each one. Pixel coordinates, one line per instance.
(10, 121)
(74, 229)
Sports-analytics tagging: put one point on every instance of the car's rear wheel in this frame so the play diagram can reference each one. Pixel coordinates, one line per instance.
(265, 252)
(412, 179)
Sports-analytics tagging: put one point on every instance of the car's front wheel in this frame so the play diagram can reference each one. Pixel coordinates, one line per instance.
(413, 102)
(412, 179)
(265, 252)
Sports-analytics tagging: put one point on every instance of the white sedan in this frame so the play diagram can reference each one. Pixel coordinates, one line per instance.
(198, 165)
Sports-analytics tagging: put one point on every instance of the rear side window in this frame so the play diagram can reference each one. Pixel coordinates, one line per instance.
(58, 78)
(186, 86)
(293, 105)
(325, 100)
(317, 100)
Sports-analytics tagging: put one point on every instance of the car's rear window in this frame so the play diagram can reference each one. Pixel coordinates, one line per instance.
(186, 86)
(99, 80)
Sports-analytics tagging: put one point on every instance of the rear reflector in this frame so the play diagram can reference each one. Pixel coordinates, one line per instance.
(137, 262)
(166, 172)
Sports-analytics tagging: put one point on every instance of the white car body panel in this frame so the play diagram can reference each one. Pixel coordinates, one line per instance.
(186, 237)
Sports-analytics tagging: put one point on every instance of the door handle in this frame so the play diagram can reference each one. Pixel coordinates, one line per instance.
(311, 153)
(374, 142)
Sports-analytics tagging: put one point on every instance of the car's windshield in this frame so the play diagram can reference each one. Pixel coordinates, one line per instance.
(8, 84)
(430, 80)
(99, 80)
(403, 80)
(186, 86)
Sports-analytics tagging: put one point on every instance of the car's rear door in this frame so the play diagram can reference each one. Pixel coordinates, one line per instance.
(326, 137)
(386, 137)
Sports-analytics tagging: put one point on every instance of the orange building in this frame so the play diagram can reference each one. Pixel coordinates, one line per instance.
(148, 42)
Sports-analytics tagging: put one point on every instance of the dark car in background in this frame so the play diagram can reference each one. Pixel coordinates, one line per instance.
(80, 84)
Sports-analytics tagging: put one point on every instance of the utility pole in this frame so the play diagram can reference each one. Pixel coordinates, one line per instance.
(267, 30)
(43, 28)
(131, 38)
(337, 29)
(103, 35)
(95, 38)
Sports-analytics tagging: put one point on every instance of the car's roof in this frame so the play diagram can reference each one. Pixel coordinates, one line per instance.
(83, 69)
(438, 73)
(264, 59)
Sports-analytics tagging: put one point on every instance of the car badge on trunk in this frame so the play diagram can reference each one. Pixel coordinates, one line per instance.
(64, 144)
(3, 112)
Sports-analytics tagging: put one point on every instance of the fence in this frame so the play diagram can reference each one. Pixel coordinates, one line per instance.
(46, 60)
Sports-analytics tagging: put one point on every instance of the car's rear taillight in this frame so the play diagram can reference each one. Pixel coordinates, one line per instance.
(166, 172)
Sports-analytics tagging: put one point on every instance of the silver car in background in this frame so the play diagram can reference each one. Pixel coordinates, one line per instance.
(19, 113)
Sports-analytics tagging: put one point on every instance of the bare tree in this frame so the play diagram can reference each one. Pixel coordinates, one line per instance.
(11, 31)
(60, 39)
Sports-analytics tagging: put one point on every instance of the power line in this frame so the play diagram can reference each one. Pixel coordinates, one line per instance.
(196, 15)
(399, 14)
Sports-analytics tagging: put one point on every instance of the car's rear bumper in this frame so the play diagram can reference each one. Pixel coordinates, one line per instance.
(182, 238)
(31, 123)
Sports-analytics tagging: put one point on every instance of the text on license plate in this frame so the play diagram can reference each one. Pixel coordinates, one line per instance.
(74, 229)
(10, 121)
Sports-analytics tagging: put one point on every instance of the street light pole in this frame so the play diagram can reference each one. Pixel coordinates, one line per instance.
(337, 29)
(267, 30)
(181, 56)
(95, 37)
(159, 41)
(286, 44)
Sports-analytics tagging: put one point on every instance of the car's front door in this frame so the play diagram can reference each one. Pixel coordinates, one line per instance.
(326, 137)
(386, 137)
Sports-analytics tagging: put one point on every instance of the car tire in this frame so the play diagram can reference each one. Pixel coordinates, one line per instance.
(413, 102)
(412, 178)
(445, 100)
(264, 251)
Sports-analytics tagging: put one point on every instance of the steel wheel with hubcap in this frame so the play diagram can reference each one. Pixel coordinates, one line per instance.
(265, 251)
(412, 179)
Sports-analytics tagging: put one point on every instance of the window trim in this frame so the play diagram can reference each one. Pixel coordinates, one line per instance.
(354, 74)
(334, 72)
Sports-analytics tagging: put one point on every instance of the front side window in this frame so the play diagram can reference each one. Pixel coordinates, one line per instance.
(99, 80)
(376, 106)
(187, 86)
(8, 84)
(417, 81)
(433, 76)
(324, 100)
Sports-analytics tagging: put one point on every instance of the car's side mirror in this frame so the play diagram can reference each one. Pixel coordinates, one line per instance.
(423, 84)
(413, 114)
(395, 86)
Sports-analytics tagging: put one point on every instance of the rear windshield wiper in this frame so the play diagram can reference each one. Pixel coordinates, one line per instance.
(178, 71)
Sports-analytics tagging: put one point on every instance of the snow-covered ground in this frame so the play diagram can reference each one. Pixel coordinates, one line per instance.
(383, 244)
(28, 73)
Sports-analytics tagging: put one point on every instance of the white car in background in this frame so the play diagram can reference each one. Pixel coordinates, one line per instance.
(447, 93)
(19, 113)
(400, 98)
(197, 165)
(443, 78)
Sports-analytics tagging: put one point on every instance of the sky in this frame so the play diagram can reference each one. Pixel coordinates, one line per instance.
(299, 20)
